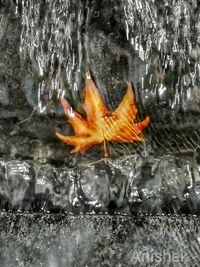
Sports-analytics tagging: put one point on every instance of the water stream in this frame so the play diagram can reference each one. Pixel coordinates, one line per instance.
(135, 208)
(164, 35)
(52, 38)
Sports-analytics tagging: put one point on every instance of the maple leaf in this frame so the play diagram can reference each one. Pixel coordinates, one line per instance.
(101, 124)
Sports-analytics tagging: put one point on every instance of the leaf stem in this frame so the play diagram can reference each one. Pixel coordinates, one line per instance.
(106, 154)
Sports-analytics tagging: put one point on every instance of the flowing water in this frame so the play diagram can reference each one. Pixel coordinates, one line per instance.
(153, 44)
(165, 35)
(46, 47)
(52, 38)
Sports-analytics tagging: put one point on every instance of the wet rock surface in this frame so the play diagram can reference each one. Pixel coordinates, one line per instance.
(45, 240)
(45, 49)
(158, 176)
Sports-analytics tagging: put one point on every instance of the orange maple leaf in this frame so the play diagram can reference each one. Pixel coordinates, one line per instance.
(101, 124)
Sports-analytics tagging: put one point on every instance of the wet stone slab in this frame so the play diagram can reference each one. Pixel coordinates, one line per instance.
(59, 240)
